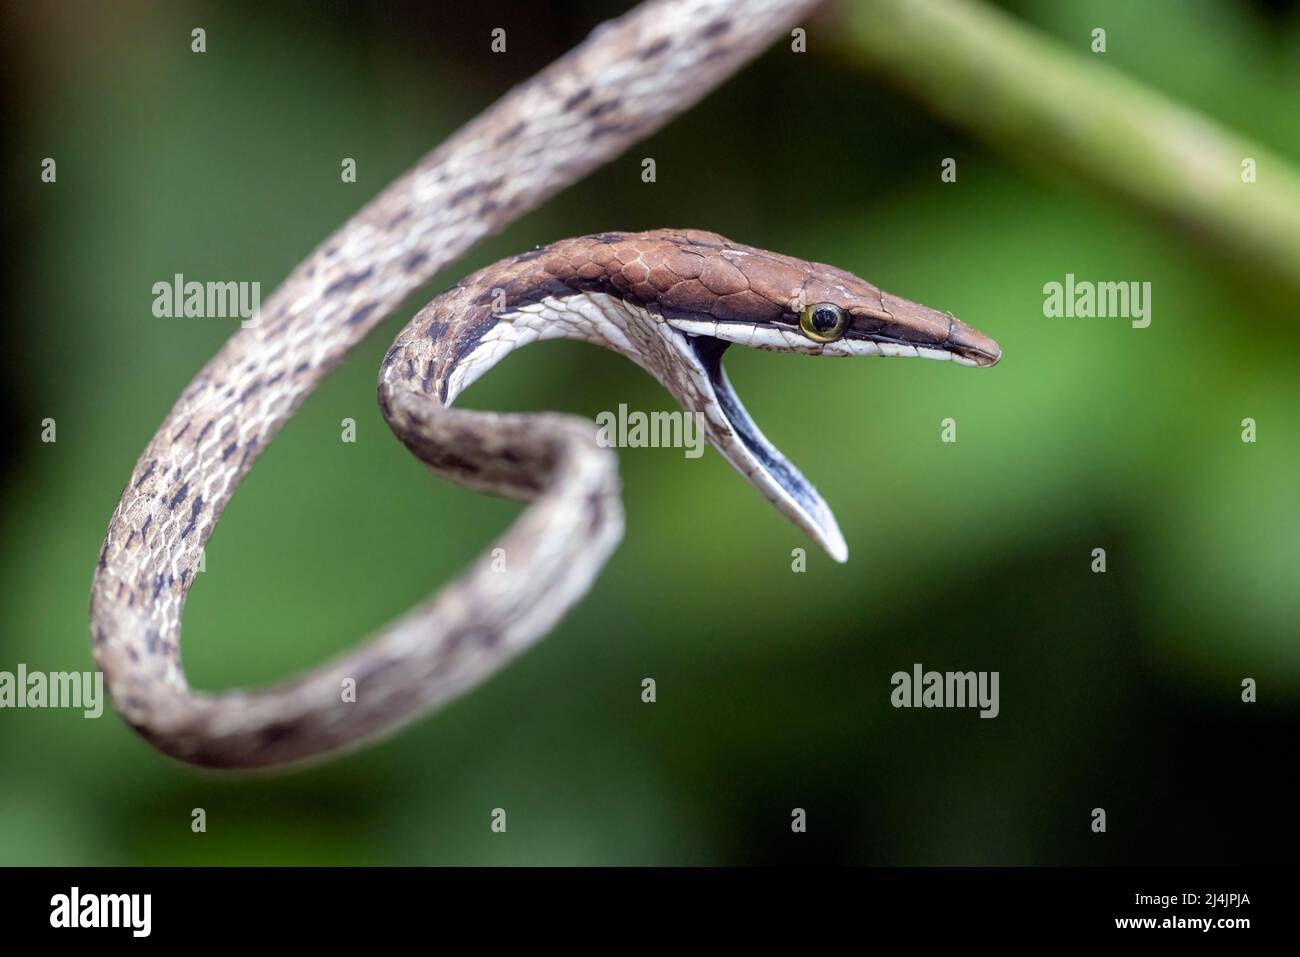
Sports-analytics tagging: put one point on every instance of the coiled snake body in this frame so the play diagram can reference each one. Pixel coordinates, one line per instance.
(671, 300)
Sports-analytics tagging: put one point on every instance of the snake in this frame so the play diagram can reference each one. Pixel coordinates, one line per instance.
(671, 300)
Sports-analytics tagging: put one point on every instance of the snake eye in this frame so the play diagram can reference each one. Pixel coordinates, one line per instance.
(823, 322)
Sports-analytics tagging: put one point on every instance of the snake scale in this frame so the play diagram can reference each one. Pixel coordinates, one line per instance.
(671, 300)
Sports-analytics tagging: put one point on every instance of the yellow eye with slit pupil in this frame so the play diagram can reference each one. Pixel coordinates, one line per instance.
(823, 322)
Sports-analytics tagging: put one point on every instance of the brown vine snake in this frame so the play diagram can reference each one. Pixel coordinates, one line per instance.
(672, 300)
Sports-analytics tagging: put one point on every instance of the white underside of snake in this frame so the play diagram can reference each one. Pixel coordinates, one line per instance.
(671, 300)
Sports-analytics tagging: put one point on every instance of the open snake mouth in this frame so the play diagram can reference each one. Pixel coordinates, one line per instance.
(745, 446)
(907, 329)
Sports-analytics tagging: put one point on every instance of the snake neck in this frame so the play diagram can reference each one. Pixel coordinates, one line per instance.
(540, 295)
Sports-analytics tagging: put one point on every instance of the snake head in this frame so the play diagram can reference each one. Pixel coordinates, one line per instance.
(729, 293)
(674, 301)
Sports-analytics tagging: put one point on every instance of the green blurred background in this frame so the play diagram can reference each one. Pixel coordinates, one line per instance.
(1119, 690)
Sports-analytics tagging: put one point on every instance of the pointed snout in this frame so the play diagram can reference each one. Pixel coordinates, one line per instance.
(973, 344)
(920, 325)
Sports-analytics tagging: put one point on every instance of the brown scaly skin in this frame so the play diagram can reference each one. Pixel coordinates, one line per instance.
(702, 273)
(683, 272)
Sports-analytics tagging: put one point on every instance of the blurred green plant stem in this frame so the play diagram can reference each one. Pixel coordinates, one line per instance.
(1025, 93)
